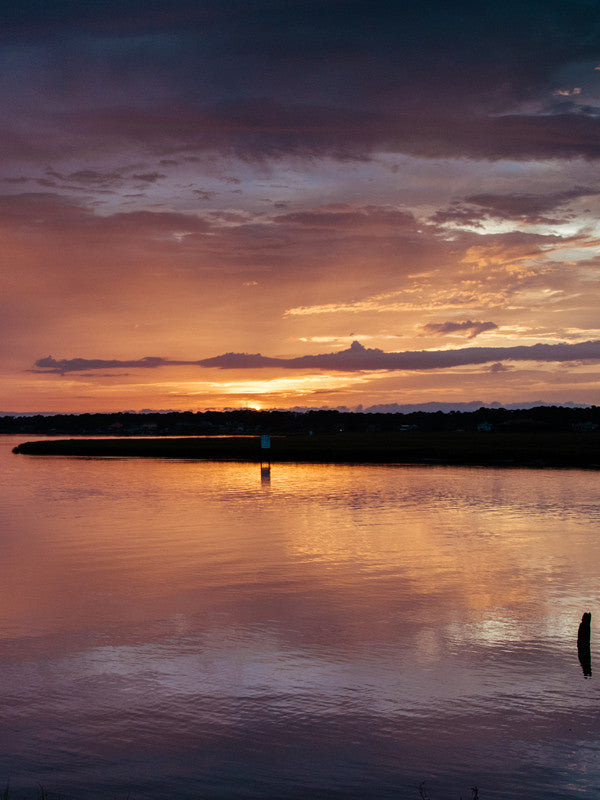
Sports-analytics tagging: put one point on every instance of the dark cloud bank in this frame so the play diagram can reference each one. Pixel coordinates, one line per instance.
(355, 359)
(280, 77)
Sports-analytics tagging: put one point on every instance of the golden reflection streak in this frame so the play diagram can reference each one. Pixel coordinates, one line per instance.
(497, 575)
(341, 539)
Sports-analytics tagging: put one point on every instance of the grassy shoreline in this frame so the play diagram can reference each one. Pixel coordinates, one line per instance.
(575, 449)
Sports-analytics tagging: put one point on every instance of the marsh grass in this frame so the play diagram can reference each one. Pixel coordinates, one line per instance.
(574, 449)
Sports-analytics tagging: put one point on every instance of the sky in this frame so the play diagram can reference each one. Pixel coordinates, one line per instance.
(280, 204)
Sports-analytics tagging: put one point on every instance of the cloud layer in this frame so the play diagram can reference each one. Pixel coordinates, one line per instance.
(355, 358)
(275, 78)
(244, 178)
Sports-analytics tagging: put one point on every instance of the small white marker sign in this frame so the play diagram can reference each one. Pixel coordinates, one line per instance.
(265, 441)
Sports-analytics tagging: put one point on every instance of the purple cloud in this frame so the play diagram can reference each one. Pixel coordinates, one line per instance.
(272, 78)
(473, 328)
(529, 207)
(149, 177)
(255, 129)
(348, 217)
(53, 366)
(355, 358)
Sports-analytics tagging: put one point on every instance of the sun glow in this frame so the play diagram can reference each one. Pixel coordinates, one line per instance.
(301, 385)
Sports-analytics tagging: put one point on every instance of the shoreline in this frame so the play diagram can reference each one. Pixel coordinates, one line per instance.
(554, 450)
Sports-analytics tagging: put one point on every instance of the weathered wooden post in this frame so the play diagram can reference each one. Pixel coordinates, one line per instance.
(583, 644)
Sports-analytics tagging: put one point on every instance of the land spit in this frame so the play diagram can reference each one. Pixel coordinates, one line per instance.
(575, 449)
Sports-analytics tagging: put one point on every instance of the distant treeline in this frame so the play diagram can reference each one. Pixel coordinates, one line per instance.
(249, 421)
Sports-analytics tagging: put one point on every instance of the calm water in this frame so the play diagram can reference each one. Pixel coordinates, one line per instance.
(186, 630)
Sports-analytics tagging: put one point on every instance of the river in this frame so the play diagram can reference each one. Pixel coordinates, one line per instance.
(181, 629)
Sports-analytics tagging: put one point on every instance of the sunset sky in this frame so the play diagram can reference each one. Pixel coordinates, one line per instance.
(270, 203)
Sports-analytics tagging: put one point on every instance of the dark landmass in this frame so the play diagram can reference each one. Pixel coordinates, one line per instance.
(553, 436)
(538, 449)
(248, 421)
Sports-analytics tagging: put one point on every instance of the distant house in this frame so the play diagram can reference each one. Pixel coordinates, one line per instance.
(484, 426)
(585, 426)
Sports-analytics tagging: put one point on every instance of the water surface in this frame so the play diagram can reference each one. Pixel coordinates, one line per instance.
(177, 629)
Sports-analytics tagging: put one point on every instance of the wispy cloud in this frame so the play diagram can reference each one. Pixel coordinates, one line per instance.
(525, 207)
(472, 328)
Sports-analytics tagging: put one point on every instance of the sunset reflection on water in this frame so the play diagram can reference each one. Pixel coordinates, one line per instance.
(188, 629)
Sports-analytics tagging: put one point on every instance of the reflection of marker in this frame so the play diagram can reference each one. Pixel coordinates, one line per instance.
(583, 644)
(265, 458)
